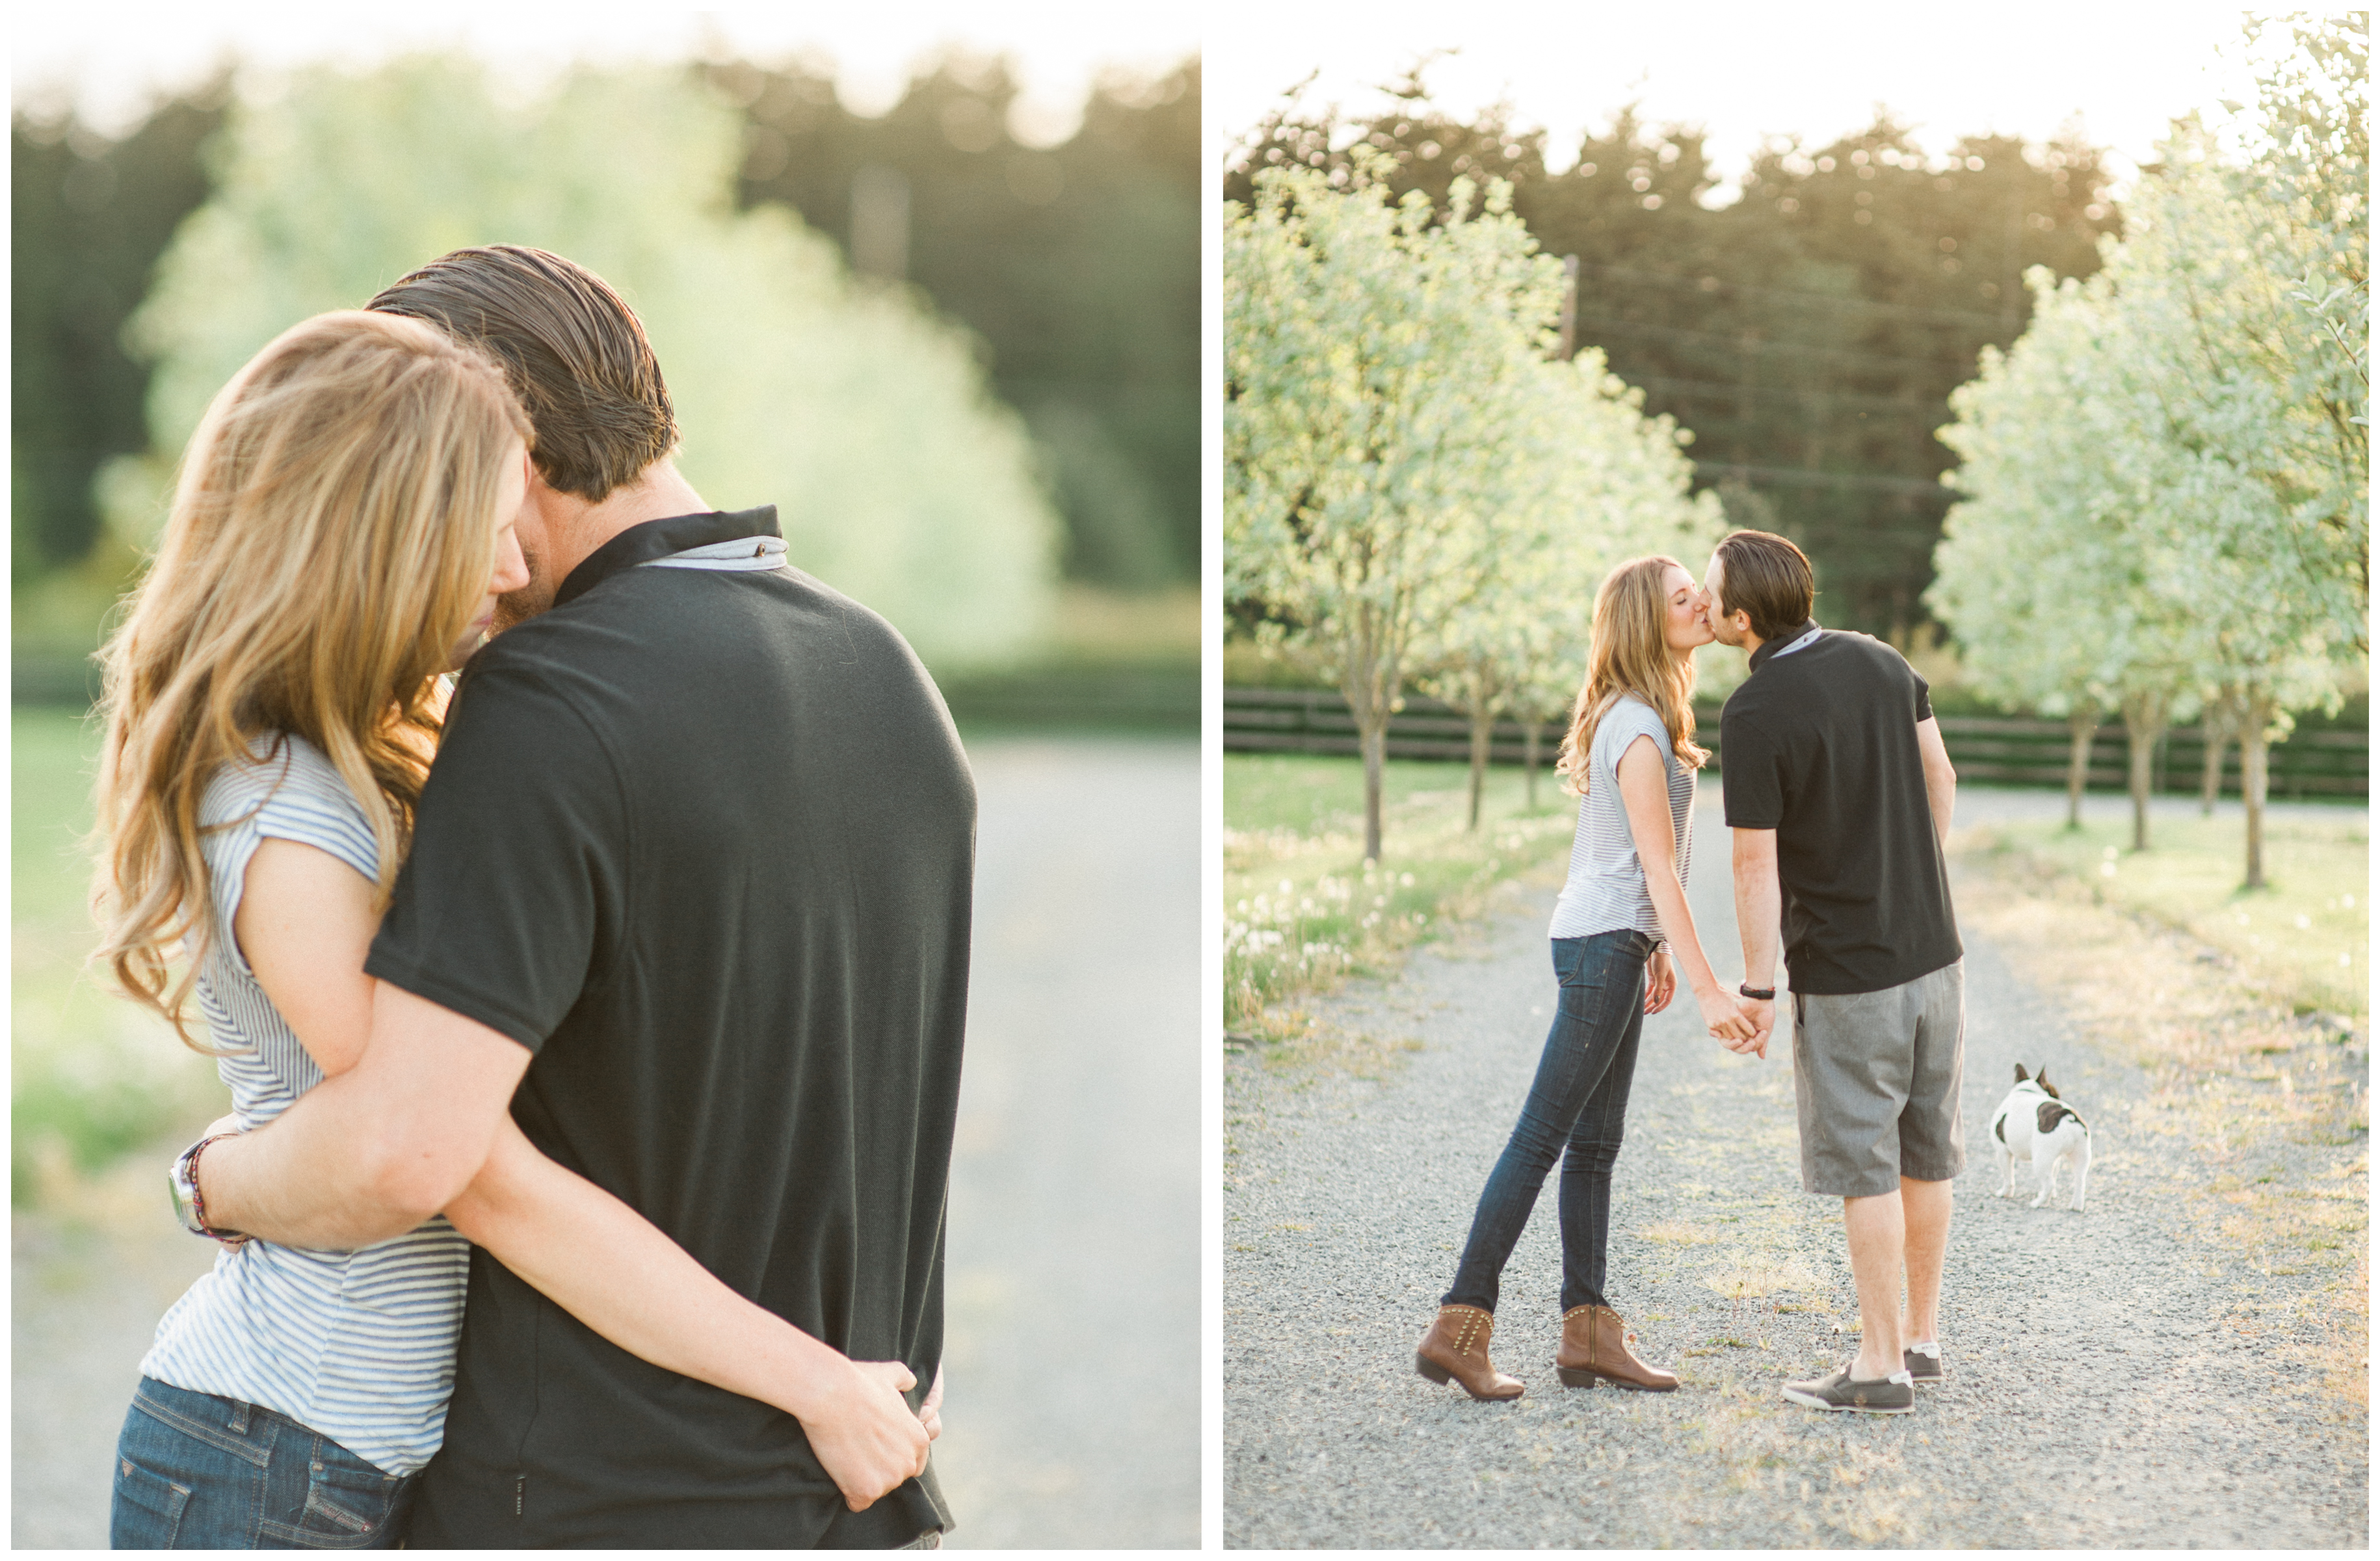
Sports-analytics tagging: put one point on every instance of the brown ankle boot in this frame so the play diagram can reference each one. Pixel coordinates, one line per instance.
(1456, 1347)
(1594, 1343)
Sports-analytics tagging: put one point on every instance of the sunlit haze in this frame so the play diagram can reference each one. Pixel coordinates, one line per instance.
(1745, 72)
(111, 58)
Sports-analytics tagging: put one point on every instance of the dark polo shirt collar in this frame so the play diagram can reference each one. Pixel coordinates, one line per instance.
(649, 540)
(1769, 648)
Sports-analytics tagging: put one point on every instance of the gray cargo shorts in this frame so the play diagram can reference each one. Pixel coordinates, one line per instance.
(1876, 1084)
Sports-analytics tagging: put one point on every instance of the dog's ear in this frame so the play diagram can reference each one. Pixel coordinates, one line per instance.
(2047, 1088)
(2020, 1073)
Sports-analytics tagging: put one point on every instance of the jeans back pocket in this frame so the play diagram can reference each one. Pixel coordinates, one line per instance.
(149, 1507)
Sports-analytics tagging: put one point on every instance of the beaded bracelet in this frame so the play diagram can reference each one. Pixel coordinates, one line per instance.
(199, 1198)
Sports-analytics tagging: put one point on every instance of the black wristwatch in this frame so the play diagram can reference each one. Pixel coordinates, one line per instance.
(1758, 994)
(188, 1206)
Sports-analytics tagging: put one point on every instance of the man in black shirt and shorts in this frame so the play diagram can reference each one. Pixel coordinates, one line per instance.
(688, 892)
(1839, 791)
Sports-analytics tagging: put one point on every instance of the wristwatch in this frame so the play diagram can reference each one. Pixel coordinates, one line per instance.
(1761, 994)
(188, 1206)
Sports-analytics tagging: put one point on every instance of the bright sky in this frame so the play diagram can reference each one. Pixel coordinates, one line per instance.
(1745, 70)
(111, 55)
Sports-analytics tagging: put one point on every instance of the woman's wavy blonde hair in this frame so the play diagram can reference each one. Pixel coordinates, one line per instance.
(333, 530)
(1628, 653)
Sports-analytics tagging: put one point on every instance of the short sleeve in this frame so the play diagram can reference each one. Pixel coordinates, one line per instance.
(1749, 774)
(293, 792)
(1627, 720)
(513, 871)
(1924, 703)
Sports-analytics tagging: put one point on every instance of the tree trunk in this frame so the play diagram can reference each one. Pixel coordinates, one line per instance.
(1368, 680)
(2255, 719)
(2084, 725)
(2220, 717)
(1531, 731)
(1374, 736)
(2144, 724)
(1483, 731)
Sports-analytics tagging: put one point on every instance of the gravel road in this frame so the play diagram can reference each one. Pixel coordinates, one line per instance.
(2099, 1397)
(1073, 1346)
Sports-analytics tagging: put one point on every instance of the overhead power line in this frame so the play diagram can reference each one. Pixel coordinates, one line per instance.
(1990, 324)
(1964, 368)
(1719, 390)
(1913, 487)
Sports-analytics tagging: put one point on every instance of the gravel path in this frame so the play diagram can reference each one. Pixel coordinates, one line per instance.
(1073, 1265)
(2098, 1396)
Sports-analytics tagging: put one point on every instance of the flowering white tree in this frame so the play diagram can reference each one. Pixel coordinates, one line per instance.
(1598, 483)
(1379, 370)
(2047, 571)
(2168, 476)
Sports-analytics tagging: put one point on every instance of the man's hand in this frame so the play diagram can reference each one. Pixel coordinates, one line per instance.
(1660, 980)
(1724, 1016)
(930, 1413)
(864, 1432)
(1762, 1012)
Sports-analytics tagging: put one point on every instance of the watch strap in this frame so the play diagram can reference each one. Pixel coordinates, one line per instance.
(1758, 994)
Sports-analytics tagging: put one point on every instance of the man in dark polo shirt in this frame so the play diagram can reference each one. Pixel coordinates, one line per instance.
(1838, 792)
(688, 891)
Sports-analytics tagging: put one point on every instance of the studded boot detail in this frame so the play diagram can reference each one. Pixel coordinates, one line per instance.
(1595, 1345)
(1456, 1347)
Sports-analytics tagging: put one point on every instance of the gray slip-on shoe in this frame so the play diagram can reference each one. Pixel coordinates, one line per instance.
(1895, 1395)
(1923, 1368)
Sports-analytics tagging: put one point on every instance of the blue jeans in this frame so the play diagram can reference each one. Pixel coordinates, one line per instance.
(194, 1471)
(1580, 1099)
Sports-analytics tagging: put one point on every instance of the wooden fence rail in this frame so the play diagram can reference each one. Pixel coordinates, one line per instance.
(2004, 751)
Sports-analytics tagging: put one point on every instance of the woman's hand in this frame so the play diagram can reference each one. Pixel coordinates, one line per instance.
(1660, 980)
(865, 1433)
(1726, 1018)
(930, 1413)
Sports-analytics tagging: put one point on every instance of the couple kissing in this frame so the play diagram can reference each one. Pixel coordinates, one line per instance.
(1837, 793)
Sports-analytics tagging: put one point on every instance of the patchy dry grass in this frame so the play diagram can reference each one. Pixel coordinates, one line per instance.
(1303, 910)
(2264, 1111)
(2304, 938)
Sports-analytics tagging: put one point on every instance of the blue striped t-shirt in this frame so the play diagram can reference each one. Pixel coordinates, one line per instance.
(359, 1346)
(1605, 890)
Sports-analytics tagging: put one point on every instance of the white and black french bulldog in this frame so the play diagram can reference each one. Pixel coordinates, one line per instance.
(2034, 1123)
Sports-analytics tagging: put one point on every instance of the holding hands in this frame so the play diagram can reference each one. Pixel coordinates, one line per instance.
(1731, 1020)
(1761, 1012)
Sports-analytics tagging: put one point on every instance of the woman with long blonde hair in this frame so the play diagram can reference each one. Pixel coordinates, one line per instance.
(1619, 931)
(340, 533)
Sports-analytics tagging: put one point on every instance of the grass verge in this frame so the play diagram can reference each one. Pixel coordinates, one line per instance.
(2305, 939)
(2265, 1109)
(1301, 908)
(91, 1076)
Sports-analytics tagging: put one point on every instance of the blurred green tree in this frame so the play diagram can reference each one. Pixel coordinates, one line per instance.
(862, 417)
(1078, 265)
(88, 217)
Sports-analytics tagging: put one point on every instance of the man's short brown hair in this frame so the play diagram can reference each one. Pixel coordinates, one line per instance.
(574, 350)
(1766, 576)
